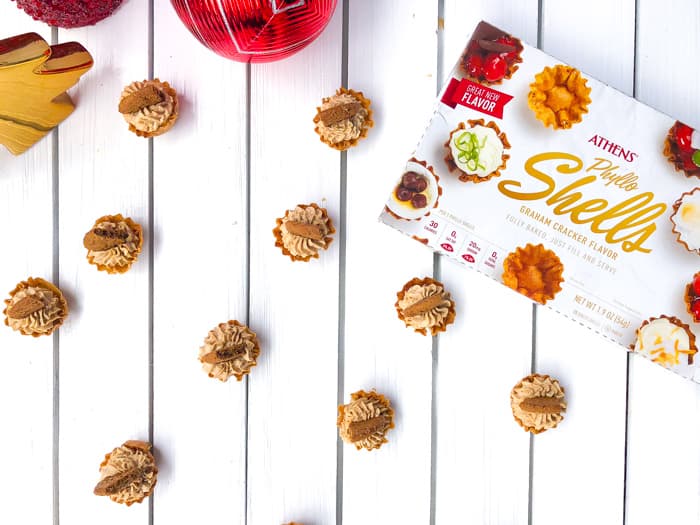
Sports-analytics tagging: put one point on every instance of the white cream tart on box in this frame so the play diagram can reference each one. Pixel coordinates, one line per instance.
(686, 220)
(666, 341)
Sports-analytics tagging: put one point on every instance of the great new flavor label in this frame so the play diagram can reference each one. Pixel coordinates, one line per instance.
(599, 194)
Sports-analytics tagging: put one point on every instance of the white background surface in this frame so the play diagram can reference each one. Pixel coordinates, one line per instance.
(265, 451)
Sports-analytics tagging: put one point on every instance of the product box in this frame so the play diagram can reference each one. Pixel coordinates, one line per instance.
(565, 190)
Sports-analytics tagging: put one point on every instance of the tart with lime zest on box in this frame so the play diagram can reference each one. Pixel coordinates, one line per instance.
(477, 153)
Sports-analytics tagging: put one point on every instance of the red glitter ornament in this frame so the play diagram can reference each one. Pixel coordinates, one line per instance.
(255, 30)
(69, 13)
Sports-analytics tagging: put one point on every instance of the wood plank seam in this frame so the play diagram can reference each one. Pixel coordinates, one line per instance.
(629, 355)
(151, 260)
(248, 128)
(342, 250)
(55, 136)
(437, 274)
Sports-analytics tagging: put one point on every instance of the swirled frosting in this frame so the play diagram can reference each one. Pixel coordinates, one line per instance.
(435, 316)
(122, 255)
(347, 129)
(369, 407)
(152, 117)
(533, 387)
(298, 245)
(43, 321)
(236, 339)
(126, 459)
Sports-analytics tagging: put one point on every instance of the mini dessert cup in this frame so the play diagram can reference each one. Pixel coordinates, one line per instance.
(424, 304)
(666, 340)
(416, 193)
(303, 232)
(534, 271)
(35, 307)
(114, 243)
(477, 152)
(692, 298)
(559, 96)
(343, 119)
(538, 403)
(682, 149)
(149, 107)
(230, 349)
(128, 474)
(686, 220)
(492, 55)
(365, 421)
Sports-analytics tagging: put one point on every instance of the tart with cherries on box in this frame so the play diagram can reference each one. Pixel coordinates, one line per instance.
(682, 149)
(416, 193)
(492, 55)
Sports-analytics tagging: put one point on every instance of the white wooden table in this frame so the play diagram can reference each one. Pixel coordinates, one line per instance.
(265, 451)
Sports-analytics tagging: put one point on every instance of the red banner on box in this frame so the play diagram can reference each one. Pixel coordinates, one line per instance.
(475, 96)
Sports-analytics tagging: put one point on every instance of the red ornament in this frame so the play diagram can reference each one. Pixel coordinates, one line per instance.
(69, 13)
(255, 30)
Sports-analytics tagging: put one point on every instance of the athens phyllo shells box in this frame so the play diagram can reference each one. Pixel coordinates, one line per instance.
(565, 190)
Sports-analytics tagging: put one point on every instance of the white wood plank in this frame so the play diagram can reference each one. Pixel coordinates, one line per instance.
(482, 472)
(293, 305)
(199, 260)
(392, 59)
(664, 409)
(587, 450)
(579, 358)
(26, 376)
(104, 348)
(612, 63)
(482, 458)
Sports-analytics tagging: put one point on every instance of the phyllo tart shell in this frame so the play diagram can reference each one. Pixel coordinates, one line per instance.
(534, 271)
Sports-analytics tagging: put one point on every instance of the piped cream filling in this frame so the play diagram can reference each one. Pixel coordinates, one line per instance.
(433, 317)
(531, 388)
(363, 409)
(226, 336)
(123, 459)
(152, 117)
(300, 246)
(41, 321)
(348, 129)
(121, 255)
